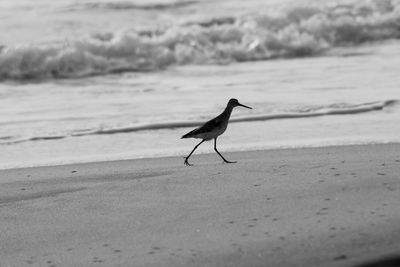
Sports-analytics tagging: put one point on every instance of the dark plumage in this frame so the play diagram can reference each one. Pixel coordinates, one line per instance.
(213, 128)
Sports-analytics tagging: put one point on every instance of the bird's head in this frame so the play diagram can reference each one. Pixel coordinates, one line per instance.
(233, 102)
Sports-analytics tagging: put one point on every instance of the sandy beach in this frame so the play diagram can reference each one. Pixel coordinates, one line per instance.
(95, 95)
(332, 206)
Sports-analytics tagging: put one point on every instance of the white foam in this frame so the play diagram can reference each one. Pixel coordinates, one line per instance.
(297, 31)
(321, 111)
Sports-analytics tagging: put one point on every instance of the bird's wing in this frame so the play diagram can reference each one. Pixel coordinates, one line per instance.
(210, 125)
(205, 128)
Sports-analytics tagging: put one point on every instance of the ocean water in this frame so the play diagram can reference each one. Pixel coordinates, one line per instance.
(102, 80)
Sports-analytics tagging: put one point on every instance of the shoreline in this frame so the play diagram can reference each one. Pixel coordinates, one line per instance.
(330, 206)
(182, 155)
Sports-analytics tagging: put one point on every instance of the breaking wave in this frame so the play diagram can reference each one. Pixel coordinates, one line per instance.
(298, 31)
(336, 109)
(129, 5)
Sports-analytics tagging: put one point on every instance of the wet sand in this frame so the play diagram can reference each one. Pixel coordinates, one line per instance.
(332, 206)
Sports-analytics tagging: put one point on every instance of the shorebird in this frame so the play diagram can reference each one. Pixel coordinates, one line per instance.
(213, 128)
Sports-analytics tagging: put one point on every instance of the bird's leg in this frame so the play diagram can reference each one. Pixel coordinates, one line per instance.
(215, 148)
(186, 159)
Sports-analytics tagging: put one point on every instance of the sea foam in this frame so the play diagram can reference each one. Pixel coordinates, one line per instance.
(297, 31)
(336, 109)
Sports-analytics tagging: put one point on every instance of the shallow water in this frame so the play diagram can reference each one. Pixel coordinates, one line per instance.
(103, 102)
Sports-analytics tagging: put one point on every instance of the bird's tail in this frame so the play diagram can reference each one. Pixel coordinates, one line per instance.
(188, 135)
(185, 136)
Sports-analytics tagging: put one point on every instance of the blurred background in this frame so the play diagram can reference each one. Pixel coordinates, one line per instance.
(102, 80)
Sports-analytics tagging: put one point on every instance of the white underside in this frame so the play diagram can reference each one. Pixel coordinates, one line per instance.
(210, 135)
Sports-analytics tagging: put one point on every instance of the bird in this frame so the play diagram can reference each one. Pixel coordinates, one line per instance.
(213, 128)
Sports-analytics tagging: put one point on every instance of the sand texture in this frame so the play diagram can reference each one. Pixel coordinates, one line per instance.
(334, 206)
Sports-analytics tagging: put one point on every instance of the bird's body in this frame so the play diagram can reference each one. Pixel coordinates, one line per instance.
(213, 128)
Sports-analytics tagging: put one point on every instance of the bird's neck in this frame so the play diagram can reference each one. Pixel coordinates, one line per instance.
(227, 112)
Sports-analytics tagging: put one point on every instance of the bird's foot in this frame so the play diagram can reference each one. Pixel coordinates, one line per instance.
(187, 163)
(227, 161)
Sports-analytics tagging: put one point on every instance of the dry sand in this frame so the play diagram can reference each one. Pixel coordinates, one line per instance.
(333, 206)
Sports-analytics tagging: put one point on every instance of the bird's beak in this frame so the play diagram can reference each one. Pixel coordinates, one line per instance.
(244, 106)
